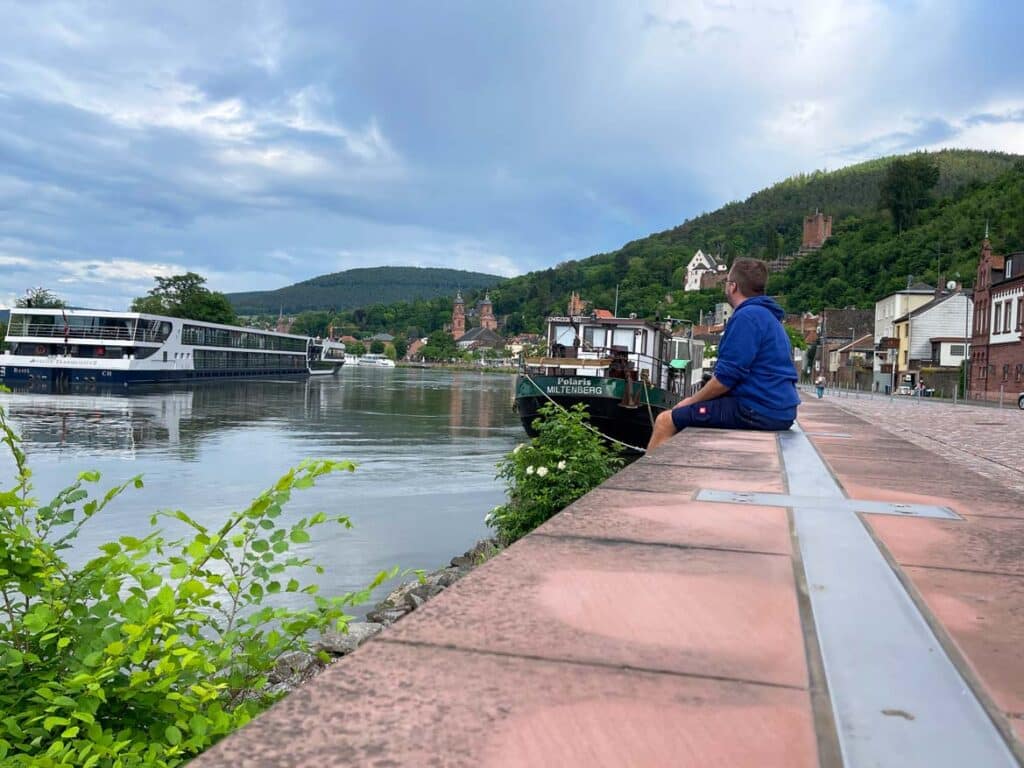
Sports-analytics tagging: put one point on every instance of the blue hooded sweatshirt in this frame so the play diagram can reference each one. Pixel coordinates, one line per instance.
(755, 359)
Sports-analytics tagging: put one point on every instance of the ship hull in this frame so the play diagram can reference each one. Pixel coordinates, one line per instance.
(623, 419)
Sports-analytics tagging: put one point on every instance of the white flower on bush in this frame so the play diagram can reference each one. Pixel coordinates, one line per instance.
(561, 464)
(529, 470)
(517, 449)
(541, 471)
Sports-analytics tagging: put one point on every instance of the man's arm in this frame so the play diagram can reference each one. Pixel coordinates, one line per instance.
(713, 389)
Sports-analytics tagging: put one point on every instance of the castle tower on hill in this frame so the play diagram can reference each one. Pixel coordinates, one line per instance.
(487, 319)
(576, 305)
(817, 229)
(458, 317)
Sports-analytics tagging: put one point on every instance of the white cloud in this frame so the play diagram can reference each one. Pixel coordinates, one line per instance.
(118, 271)
(14, 261)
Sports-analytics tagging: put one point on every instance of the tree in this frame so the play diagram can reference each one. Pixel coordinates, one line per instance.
(356, 348)
(795, 338)
(377, 347)
(401, 347)
(312, 323)
(906, 188)
(41, 298)
(3, 332)
(440, 346)
(186, 296)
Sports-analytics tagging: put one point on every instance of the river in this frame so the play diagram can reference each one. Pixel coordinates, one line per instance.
(426, 442)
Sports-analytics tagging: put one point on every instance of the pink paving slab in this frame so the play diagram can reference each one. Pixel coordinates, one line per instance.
(980, 544)
(395, 704)
(984, 614)
(647, 476)
(674, 519)
(701, 612)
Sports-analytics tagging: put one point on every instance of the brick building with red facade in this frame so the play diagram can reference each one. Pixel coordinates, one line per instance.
(997, 348)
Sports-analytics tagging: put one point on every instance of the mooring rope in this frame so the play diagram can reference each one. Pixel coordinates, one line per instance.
(588, 426)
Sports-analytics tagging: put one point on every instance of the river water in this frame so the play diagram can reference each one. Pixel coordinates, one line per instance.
(426, 443)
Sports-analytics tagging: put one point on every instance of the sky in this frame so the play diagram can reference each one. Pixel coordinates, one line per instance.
(261, 143)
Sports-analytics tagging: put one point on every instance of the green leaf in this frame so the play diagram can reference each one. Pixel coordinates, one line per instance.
(178, 570)
(299, 536)
(173, 735)
(53, 721)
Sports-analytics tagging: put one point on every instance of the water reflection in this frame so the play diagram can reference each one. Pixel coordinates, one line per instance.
(426, 443)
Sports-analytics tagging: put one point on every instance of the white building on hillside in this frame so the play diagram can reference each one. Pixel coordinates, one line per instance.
(699, 265)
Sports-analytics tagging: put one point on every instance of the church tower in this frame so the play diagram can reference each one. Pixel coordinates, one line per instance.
(487, 319)
(458, 317)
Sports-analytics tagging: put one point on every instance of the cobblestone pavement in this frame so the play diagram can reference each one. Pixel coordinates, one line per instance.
(985, 439)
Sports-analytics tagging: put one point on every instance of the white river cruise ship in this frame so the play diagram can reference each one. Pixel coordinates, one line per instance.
(67, 347)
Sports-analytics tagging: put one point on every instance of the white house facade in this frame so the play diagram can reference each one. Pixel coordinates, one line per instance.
(886, 311)
(699, 265)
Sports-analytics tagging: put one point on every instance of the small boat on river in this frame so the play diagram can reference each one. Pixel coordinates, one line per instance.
(624, 370)
(373, 360)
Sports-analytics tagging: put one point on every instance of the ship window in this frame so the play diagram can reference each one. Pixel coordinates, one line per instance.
(593, 338)
(165, 357)
(565, 335)
(623, 337)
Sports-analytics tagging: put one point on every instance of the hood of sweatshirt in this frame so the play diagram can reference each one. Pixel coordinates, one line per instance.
(763, 301)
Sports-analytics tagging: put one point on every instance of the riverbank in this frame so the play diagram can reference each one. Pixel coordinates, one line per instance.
(298, 667)
(472, 368)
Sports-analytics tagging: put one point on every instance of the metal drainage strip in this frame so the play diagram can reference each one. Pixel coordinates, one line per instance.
(898, 700)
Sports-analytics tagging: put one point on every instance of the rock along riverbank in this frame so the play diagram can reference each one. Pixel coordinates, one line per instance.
(295, 668)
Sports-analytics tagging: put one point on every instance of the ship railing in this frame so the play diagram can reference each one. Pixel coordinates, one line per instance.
(48, 331)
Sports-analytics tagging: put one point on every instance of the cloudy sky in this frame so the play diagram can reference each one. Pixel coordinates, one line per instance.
(262, 143)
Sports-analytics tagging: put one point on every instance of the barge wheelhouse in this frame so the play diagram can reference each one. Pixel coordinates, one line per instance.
(624, 370)
(61, 348)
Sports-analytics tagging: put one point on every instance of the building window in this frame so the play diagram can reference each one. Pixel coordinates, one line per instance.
(956, 350)
(1007, 315)
(1006, 371)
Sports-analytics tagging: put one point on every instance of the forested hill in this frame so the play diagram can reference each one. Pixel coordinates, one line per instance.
(649, 272)
(355, 288)
(868, 256)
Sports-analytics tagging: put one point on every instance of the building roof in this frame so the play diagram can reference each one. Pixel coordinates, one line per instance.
(481, 336)
(918, 287)
(867, 341)
(929, 306)
(382, 337)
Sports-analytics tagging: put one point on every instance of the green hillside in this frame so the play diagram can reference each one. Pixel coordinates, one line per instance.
(650, 272)
(863, 261)
(355, 288)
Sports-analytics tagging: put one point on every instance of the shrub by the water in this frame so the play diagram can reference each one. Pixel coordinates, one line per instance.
(565, 461)
(156, 648)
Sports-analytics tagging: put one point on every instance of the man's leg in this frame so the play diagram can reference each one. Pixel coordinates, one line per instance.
(720, 413)
(663, 430)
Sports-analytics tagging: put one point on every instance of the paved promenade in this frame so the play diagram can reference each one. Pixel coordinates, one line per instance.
(837, 595)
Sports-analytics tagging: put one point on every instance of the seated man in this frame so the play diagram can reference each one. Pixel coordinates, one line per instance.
(754, 386)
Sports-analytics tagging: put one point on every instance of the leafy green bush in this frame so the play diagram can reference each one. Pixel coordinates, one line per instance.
(565, 461)
(152, 651)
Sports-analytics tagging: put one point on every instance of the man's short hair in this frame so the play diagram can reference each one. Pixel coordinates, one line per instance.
(750, 276)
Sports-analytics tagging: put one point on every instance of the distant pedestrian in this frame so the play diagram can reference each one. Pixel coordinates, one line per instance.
(920, 388)
(819, 386)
